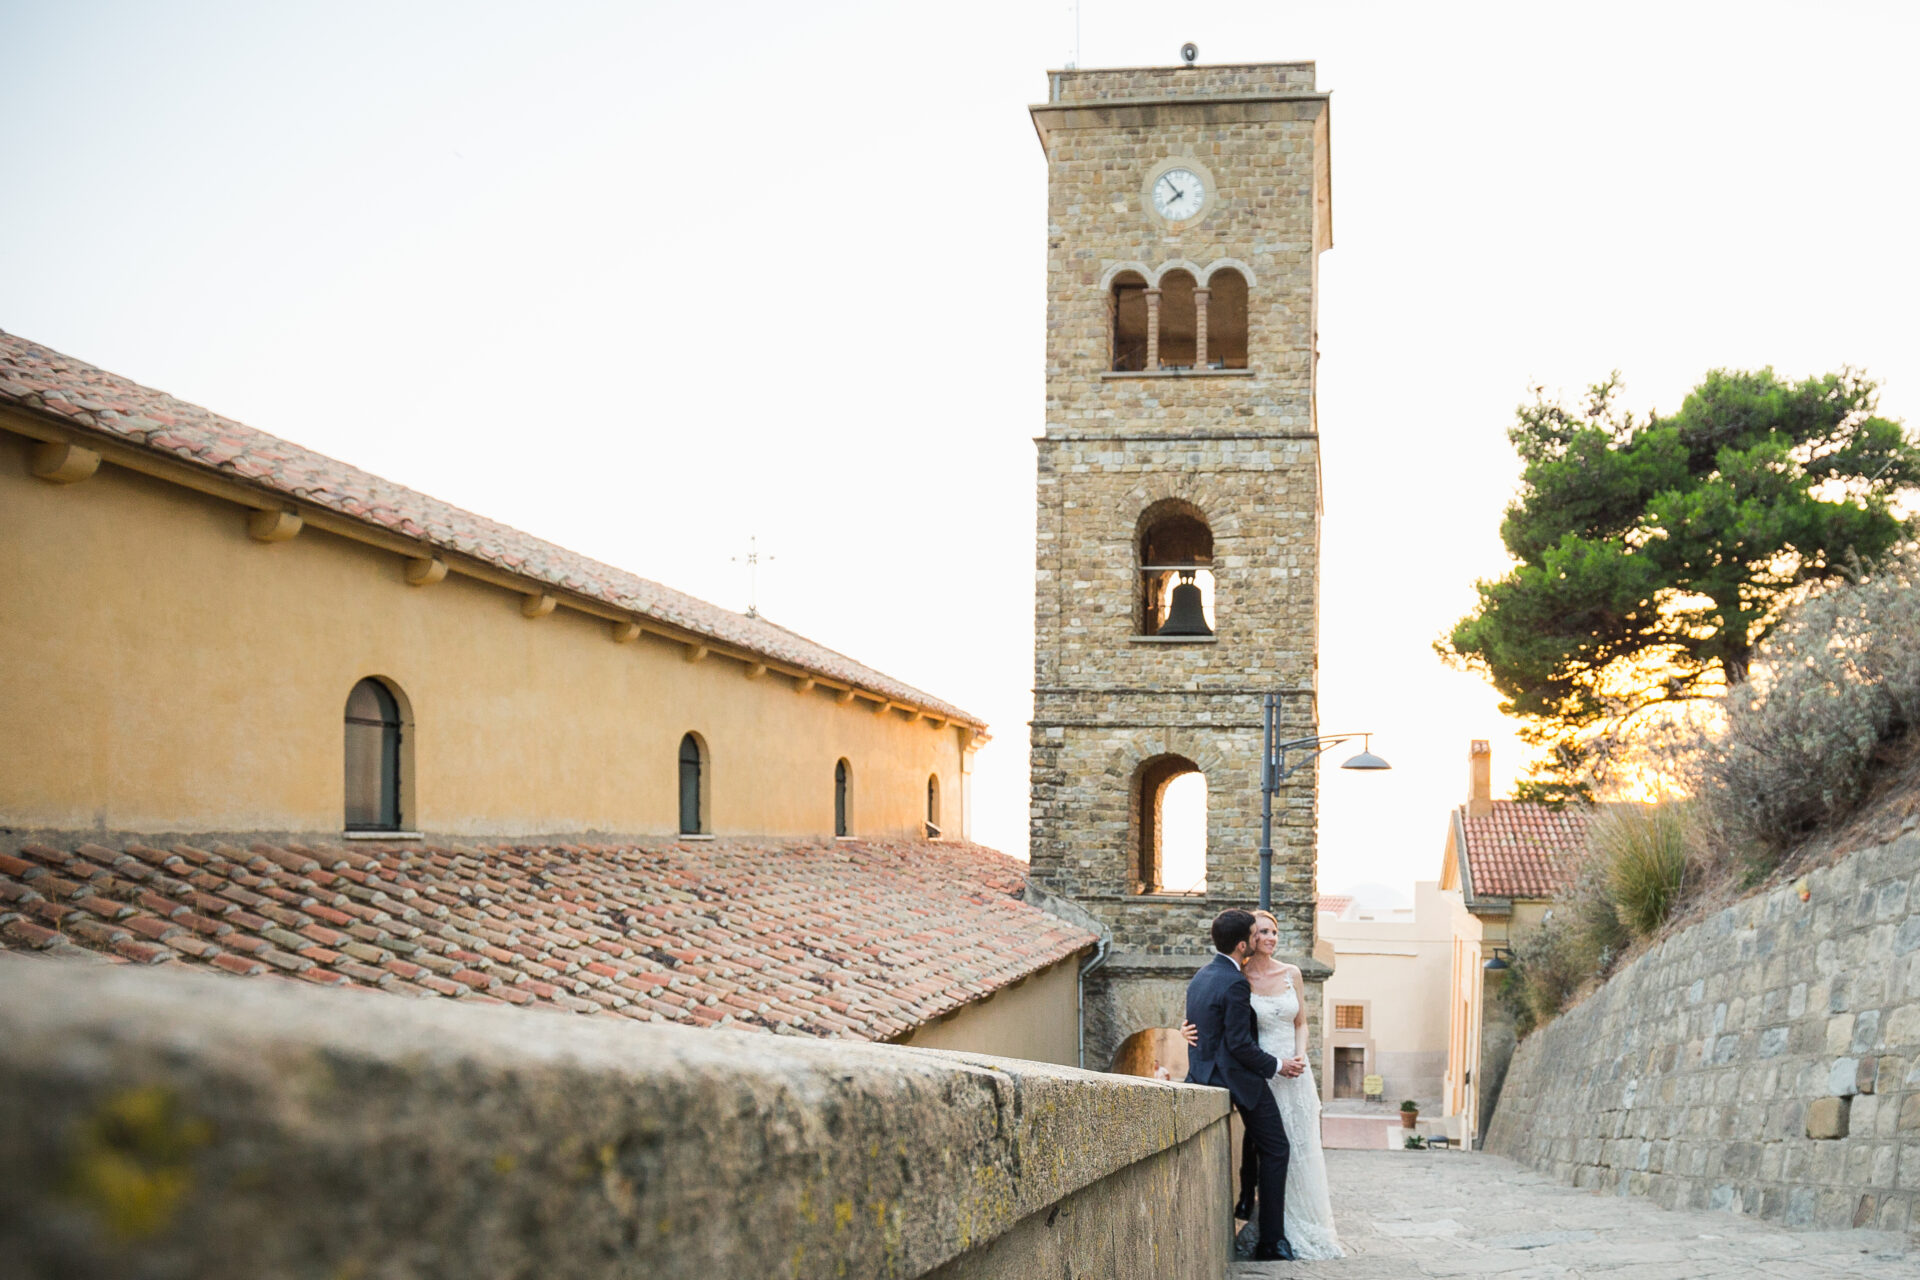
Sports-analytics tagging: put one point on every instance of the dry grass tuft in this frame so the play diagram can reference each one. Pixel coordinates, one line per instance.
(1643, 849)
(1837, 680)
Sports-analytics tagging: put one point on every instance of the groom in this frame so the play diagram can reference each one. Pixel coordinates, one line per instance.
(1229, 1057)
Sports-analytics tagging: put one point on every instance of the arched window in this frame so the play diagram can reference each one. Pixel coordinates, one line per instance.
(1179, 327)
(1169, 812)
(693, 786)
(1176, 572)
(1226, 320)
(1127, 321)
(842, 799)
(933, 805)
(373, 758)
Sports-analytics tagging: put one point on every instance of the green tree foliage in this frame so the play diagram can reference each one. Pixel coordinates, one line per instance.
(1654, 553)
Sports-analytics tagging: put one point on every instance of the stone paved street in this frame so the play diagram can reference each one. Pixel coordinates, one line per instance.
(1412, 1214)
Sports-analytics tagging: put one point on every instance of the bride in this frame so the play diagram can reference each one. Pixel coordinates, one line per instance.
(1281, 1018)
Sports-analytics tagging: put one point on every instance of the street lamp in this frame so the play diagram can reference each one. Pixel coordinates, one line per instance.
(1501, 961)
(1275, 770)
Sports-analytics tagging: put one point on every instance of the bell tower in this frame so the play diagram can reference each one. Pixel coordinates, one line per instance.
(1178, 544)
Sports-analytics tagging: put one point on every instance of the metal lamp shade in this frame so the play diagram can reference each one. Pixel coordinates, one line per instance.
(1366, 760)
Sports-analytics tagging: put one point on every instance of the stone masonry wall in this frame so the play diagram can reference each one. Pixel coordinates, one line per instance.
(1240, 449)
(181, 1125)
(1765, 1061)
(1139, 991)
(1100, 83)
(1237, 447)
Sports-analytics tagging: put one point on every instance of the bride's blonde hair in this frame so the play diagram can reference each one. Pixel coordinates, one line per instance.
(1271, 918)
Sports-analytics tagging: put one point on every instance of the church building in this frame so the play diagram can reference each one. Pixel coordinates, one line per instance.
(273, 715)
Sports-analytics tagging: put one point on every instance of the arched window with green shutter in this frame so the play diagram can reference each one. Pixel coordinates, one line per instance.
(373, 758)
(842, 784)
(692, 767)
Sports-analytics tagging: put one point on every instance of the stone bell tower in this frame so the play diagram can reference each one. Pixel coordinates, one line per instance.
(1179, 507)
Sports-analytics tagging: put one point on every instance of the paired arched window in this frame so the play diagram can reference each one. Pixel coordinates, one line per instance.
(1175, 548)
(373, 757)
(1226, 319)
(933, 806)
(693, 785)
(1169, 820)
(1177, 322)
(842, 799)
(1127, 321)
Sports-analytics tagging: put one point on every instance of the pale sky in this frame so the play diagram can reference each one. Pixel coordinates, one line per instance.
(648, 279)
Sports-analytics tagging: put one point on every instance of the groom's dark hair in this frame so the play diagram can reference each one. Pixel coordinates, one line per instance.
(1231, 928)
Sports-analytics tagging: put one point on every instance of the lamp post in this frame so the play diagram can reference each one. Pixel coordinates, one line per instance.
(1275, 770)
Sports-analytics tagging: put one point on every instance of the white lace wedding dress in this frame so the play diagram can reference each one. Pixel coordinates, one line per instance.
(1309, 1206)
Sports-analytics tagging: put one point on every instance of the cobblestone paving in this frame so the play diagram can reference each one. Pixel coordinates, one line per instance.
(1413, 1214)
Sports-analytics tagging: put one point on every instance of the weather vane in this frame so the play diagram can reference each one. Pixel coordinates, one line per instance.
(752, 559)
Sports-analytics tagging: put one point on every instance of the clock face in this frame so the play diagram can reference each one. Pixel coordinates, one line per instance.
(1179, 194)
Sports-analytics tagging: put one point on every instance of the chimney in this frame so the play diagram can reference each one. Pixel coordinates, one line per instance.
(1479, 778)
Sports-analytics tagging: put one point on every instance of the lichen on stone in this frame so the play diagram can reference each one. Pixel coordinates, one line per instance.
(131, 1160)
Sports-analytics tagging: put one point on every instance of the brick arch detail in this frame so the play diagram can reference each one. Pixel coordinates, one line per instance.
(1144, 271)
(1142, 745)
(1220, 264)
(1178, 264)
(1195, 491)
(1152, 275)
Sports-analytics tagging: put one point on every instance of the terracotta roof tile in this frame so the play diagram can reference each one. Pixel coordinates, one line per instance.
(857, 939)
(44, 381)
(1523, 849)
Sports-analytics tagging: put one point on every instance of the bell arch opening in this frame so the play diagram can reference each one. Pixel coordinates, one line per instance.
(1179, 321)
(1175, 549)
(1226, 320)
(1169, 823)
(1127, 322)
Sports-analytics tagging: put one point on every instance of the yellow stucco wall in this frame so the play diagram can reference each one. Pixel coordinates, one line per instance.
(165, 672)
(1037, 1020)
(1397, 972)
(1471, 990)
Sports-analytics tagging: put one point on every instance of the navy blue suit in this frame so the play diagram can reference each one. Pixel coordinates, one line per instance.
(1219, 1005)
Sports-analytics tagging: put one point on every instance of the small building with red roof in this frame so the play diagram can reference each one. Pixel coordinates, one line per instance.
(1503, 862)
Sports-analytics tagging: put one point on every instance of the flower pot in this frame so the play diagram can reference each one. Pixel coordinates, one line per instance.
(1407, 1118)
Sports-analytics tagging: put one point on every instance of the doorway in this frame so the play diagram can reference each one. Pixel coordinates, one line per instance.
(1349, 1072)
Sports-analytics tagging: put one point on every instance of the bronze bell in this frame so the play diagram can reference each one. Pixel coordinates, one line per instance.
(1185, 617)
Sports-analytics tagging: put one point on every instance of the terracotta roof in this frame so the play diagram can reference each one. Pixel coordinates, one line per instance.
(865, 940)
(1522, 849)
(1335, 903)
(37, 378)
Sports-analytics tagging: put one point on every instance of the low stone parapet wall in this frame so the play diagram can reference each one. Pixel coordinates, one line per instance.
(1765, 1061)
(180, 1125)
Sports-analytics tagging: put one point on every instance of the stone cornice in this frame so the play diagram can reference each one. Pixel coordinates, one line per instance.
(1138, 113)
(273, 512)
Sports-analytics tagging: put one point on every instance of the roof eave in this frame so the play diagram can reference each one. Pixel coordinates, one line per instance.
(21, 416)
